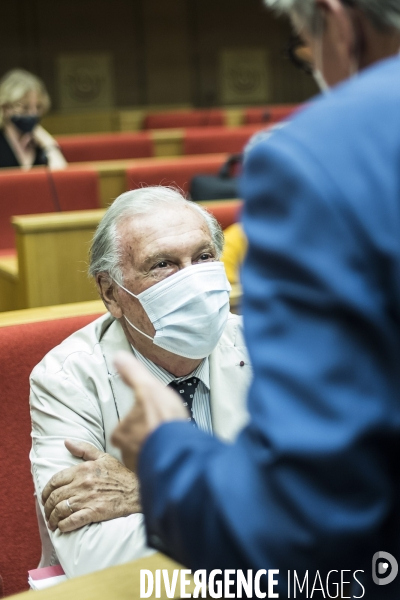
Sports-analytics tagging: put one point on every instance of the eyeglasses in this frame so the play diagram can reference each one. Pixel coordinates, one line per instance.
(299, 54)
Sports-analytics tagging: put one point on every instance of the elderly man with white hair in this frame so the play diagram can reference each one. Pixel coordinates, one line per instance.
(155, 259)
(311, 487)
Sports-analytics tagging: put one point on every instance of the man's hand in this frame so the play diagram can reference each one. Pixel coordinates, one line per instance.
(97, 490)
(154, 404)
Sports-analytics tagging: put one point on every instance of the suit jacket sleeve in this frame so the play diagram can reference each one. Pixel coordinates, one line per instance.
(61, 409)
(310, 478)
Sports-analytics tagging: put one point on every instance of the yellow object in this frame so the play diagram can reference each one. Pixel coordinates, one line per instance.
(234, 251)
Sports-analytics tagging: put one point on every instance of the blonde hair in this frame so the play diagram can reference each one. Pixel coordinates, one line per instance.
(15, 84)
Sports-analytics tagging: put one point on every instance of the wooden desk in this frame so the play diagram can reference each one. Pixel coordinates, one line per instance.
(117, 583)
(51, 313)
(52, 259)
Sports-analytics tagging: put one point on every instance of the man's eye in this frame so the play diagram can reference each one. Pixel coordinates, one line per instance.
(161, 265)
(205, 256)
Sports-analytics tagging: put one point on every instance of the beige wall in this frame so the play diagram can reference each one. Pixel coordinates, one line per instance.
(164, 51)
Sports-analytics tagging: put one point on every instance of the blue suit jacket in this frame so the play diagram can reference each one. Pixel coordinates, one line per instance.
(313, 481)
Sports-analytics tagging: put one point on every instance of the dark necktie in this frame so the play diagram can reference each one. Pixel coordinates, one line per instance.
(186, 390)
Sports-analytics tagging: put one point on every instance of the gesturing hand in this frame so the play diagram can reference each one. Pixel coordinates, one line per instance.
(154, 404)
(97, 490)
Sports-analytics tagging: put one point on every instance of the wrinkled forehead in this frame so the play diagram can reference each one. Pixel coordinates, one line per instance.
(170, 228)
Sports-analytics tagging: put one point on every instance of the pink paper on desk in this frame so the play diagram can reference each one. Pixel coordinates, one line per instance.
(46, 572)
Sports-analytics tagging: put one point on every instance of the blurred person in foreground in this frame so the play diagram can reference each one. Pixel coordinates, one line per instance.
(312, 483)
(23, 141)
(156, 261)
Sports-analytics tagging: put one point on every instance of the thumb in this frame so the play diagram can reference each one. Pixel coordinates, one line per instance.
(83, 450)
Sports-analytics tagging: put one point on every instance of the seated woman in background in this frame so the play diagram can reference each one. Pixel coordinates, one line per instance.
(23, 142)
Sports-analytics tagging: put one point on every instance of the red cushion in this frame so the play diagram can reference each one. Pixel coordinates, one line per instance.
(38, 191)
(175, 171)
(269, 114)
(21, 348)
(7, 252)
(226, 212)
(106, 146)
(194, 118)
(217, 139)
(77, 188)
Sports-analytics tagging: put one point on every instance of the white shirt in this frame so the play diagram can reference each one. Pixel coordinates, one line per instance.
(201, 401)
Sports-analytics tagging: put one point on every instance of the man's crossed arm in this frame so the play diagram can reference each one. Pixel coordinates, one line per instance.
(99, 489)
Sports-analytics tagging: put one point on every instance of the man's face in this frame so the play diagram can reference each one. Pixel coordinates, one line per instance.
(155, 246)
(333, 46)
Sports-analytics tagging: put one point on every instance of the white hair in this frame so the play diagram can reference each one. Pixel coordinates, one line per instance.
(105, 251)
(383, 13)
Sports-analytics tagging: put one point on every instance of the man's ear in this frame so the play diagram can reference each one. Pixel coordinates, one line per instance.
(334, 14)
(108, 293)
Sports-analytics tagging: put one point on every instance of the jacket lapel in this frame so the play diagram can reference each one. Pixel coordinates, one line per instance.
(230, 376)
(229, 381)
(113, 341)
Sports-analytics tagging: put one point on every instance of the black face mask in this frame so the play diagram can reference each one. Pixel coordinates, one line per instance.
(26, 124)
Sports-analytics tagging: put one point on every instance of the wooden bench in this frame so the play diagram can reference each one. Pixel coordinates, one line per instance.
(157, 143)
(151, 117)
(116, 176)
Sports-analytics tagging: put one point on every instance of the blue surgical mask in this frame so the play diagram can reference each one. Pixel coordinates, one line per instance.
(25, 123)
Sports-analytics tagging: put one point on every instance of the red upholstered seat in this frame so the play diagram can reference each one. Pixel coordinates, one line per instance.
(38, 191)
(21, 348)
(174, 171)
(269, 114)
(7, 252)
(106, 146)
(194, 118)
(226, 212)
(217, 139)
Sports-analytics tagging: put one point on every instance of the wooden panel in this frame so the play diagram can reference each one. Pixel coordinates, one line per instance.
(92, 26)
(53, 259)
(82, 122)
(163, 52)
(168, 142)
(167, 52)
(241, 24)
(8, 283)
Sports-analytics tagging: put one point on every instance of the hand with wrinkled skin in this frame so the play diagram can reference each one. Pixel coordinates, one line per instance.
(99, 489)
(154, 405)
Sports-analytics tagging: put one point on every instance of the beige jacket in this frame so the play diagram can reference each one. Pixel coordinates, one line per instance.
(76, 394)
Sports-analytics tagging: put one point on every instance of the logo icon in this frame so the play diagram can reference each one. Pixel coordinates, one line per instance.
(384, 568)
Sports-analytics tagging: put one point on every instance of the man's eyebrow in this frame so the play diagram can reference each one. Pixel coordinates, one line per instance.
(153, 258)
